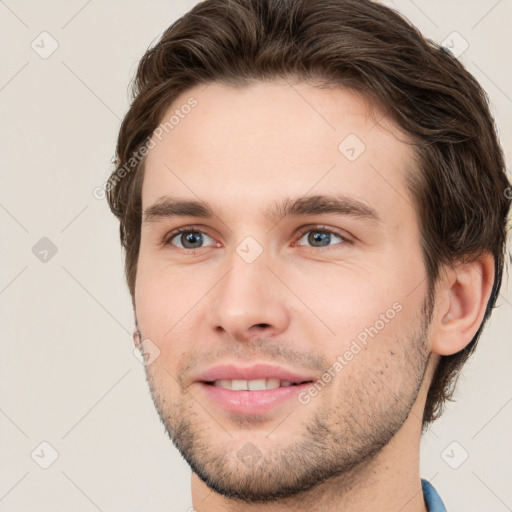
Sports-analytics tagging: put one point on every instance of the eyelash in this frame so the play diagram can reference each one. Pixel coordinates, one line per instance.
(324, 229)
(302, 231)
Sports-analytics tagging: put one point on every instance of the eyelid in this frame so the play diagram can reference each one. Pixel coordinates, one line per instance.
(347, 239)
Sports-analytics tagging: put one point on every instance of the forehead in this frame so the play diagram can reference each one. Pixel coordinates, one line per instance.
(237, 148)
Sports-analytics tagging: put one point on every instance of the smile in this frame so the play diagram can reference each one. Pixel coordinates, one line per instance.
(252, 385)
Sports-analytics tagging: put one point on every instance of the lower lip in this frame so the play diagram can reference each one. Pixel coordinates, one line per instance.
(251, 402)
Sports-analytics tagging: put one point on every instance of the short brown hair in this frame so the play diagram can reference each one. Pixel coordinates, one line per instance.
(460, 186)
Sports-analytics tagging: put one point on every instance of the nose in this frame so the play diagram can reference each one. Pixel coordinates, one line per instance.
(249, 301)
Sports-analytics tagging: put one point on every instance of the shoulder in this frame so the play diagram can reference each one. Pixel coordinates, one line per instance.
(432, 499)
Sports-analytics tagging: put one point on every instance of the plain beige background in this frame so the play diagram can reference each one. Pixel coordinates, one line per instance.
(68, 374)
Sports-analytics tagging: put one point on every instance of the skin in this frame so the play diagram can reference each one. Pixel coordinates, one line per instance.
(355, 445)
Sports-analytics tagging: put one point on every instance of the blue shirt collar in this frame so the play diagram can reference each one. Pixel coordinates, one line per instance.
(432, 499)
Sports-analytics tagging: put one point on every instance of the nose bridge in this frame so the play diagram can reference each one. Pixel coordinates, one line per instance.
(249, 297)
(246, 284)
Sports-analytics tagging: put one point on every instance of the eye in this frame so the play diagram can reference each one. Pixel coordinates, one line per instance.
(314, 236)
(318, 236)
(187, 238)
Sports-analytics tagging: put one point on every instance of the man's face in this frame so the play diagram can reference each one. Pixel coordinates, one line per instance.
(249, 298)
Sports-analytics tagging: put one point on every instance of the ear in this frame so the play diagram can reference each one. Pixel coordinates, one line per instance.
(136, 331)
(461, 300)
(136, 337)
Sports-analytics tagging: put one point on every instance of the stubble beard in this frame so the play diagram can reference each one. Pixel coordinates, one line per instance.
(337, 441)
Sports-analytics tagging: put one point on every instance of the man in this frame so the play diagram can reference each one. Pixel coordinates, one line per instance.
(313, 205)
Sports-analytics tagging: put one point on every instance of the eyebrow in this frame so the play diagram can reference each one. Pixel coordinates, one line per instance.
(169, 207)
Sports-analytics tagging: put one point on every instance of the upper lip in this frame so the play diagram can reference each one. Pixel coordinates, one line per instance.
(253, 372)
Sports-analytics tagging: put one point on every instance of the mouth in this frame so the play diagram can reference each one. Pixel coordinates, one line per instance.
(255, 384)
(256, 389)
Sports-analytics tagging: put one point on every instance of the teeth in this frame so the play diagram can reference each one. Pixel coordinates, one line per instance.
(273, 383)
(223, 384)
(251, 385)
(238, 385)
(256, 385)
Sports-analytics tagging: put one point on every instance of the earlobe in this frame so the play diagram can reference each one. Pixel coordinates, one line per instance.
(467, 289)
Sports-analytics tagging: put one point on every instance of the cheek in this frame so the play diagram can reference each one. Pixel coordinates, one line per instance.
(379, 365)
(347, 299)
(370, 314)
(164, 316)
(164, 298)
